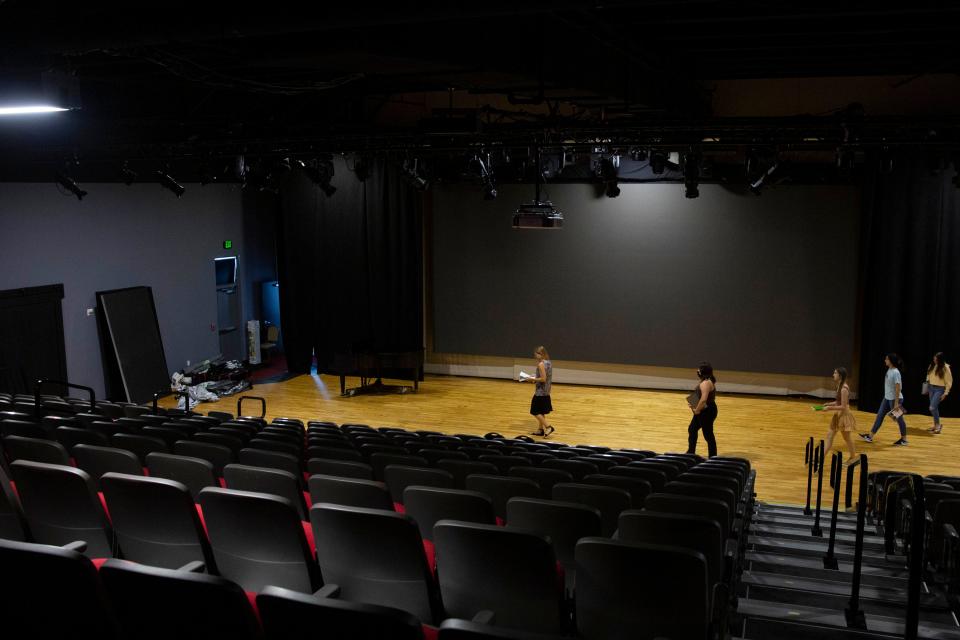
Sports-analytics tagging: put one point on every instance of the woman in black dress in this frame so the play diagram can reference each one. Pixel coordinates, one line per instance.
(703, 402)
(540, 405)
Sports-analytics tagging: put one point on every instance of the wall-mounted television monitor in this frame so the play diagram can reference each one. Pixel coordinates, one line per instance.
(226, 271)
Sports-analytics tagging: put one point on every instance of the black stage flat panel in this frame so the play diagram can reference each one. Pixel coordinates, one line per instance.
(130, 335)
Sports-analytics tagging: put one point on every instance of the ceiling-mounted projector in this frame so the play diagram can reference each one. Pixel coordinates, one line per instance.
(537, 215)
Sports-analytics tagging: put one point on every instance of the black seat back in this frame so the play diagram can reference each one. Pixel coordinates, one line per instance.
(577, 468)
(61, 506)
(509, 571)
(258, 540)
(349, 492)
(379, 462)
(611, 598)
(340, 468)
(272, 460)
(544, 477)
(400, 477)
(194, 473)
(501, 489)
(276, 482)
(564, 523)
(610, 501)
(152, 602)
(460, 469)
(139, 444)
(428, 505)
(657, 479)
(288, 614)
(13, 526)
(375, 556)
(155, 521)
(97, 461)
(35, 449)
(217, 454)
(711, 508)
(70, 436)
(697, 533)
(637, 488)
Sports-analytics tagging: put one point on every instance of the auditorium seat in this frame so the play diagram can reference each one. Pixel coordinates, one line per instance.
(655, 478)
(434, 455)
(266, 444)
(712, 508)
(258, 540)
(501, 489)
(70, 436)
(602, 464)
(152, 602)
(669, 470)
(563, 523)
(376, 557)
(217, 454)
(13, 526)
(545, 478)
(715, 477)
(287, 614)
(340, 468)
(271, 460)
(704, 490)
(623, 585)
(139, 444)
(507, 571)
(35, 449)
(379, 462)
(169, 434)
(52, 592)
(97, 461)
(610, 501)
(230, 442)
(456, 629)
(221, 416)
(460, 469)
(368, 450)
(349, 492)
(156, 522)
(61, 506)
(505, 462)
(23, 429)
(577, 468)
(399, 477)
(429, 505)
(193, 473)
(266, 480)
(334, 453)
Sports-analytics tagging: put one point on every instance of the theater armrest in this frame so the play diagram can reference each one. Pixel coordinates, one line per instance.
(77, 545)
(327, 591)
(193, 567)
(484, 617)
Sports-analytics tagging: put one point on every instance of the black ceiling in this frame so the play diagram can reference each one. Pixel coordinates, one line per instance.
(157, 79)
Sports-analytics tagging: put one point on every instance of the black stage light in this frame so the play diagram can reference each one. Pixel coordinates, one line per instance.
(691, 175)
(607, 172)
(320, 172)
(638, 155)
(658, 161)
(128, 174)
(410, 171)
(70, 185)
(167, 182)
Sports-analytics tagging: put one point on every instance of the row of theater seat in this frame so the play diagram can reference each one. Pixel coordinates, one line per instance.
(345, 490)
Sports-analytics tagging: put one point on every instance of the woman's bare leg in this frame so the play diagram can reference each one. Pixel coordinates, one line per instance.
(848, 438)
(828, 445)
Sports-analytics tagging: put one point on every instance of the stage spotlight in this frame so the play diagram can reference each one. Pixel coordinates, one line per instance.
(320, 173)
(481, 169)
(410, 171)
(607, 172)
(70, 185)
(167, 182)
(638, 155)
(658, 161)
(691, 175)
(128, 174)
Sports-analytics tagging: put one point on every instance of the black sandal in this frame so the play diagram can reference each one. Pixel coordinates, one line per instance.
(547, 433)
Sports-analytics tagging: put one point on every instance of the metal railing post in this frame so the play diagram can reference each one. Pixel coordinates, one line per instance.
(809, 453)
(836, 466)
(818, 457)
(854, 615)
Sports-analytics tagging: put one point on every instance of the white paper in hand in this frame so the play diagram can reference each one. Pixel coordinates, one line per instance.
(525, 376)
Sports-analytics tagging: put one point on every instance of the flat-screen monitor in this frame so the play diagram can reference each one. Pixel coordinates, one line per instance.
(226, 271)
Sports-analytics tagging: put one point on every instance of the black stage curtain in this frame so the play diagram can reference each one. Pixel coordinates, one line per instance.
(31, 339)
(350, 266)
(911, 281)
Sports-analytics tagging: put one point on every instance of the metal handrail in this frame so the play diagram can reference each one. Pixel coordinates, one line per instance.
(263, 405)
(818, 460)
(848, 500)
(836, 471)
(37, 405)
(854, 615)
(808, 460)
(917, 499)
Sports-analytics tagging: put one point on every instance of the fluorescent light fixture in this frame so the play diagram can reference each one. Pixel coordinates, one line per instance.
(29, 109)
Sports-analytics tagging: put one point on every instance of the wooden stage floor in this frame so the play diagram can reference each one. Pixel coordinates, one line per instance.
(769, 431)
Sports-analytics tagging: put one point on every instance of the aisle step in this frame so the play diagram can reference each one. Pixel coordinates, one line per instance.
(818, 547)
(871, 541)
(812, 566)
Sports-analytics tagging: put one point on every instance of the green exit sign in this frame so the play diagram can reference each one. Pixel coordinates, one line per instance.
(228, 244)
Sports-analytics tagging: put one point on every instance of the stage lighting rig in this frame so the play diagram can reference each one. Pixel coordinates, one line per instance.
(320, 172)
(658, 161)
(167, 182)
(70, 185)
(607, 172)
(691, 175)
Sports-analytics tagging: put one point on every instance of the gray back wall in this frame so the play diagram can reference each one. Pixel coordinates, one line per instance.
(123, 236)
(761, 284)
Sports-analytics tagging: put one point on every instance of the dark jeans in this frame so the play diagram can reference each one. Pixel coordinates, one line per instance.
(882, 412)
(703, 421)
(936, 395)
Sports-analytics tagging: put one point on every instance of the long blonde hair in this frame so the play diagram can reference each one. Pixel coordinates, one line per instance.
(542, 351)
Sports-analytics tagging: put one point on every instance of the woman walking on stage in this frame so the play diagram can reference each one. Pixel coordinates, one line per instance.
(540, 405)
(704, 405)
(939, 381)
(892, 401)
(843, 420)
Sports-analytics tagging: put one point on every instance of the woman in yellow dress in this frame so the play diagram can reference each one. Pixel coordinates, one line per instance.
(843, 420)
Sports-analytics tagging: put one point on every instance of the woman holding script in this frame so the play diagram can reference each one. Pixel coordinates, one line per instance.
(540, 405)
(704, 406)
(843, 420)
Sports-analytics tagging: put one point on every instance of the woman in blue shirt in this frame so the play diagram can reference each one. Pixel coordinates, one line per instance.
(892, 401)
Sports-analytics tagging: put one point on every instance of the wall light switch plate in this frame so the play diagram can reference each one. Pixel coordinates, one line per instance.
(91, 312)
